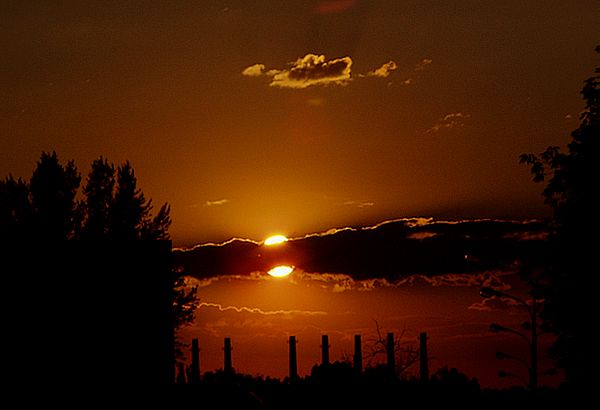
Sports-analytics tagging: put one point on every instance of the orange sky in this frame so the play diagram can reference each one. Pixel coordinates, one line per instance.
(437, 133)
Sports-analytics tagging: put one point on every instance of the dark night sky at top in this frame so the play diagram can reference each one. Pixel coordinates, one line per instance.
(355, 141)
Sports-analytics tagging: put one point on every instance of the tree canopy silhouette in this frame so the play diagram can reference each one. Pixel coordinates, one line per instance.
(112, 207)
(109, 207)
(571, 188)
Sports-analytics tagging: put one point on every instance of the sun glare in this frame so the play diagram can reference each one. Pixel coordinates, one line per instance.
(281, 271)
(275, 240)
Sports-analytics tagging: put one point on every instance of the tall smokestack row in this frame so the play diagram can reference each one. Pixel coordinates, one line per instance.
(423, 358)
(194, 369)
(195, 366)
(325, 350)
(357, 354)
(293, 362)
(391, 362)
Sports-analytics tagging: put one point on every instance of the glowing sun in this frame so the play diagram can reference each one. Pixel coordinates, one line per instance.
(275, 240)
(281, 271)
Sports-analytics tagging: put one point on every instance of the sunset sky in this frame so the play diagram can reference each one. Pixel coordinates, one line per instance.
(474, 84)
(259, 117)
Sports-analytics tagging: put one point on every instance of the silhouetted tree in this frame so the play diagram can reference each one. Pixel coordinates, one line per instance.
(15, 209)
(52, 191)
(185, 303)
(130, 214)
(112, 208)
(571, 180)
(99, 200)
(406, 353)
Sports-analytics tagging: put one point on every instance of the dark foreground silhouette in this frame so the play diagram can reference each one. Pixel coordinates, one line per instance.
(79, 314)
(337, 386)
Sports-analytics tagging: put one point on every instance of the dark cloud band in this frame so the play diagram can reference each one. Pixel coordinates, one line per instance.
(392, 250)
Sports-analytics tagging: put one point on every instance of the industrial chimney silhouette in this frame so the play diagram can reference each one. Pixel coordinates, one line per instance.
(195, 366)
(391, 362)
(357, 354)
(293, 362)
(325, 350)
(227, 367)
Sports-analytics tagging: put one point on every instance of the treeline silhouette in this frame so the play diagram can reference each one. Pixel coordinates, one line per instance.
(346, 384)
(49, 207)
(337, 385)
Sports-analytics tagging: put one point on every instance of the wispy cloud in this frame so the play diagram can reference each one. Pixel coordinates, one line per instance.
(383, 71)
(449, 121)
(423, 64)
(494, 303)
(490, 279)
(241, 309)
(217, 202)
(360, 204)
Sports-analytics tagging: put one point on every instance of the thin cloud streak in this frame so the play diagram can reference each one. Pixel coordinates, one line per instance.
(218, 202)
(360, 204)
(423, 64)
(449, 121)
(241, 309)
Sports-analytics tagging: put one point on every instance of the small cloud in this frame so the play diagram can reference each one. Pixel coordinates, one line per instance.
(218, 202)
(307, 71)
(255, 70)
(453, 120)
(360, 204)
(494, 303)
(568, 117)
(383, 71)
(423, 64)
(408, 81)
(311, 70)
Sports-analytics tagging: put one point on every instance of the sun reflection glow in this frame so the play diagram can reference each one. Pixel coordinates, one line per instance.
(275, 240)
(281, 271)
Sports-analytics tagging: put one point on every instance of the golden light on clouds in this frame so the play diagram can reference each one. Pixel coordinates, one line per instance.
(275, 240)
(281, 271)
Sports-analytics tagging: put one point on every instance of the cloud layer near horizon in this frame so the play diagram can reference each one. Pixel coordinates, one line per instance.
(392, 251)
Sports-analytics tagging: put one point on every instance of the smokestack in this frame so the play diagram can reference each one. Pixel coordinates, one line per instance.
(391, 362)
(357, 355)
(325, 349)
(195, 366)
(293, 363)
(423, 358)
(227, 363)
